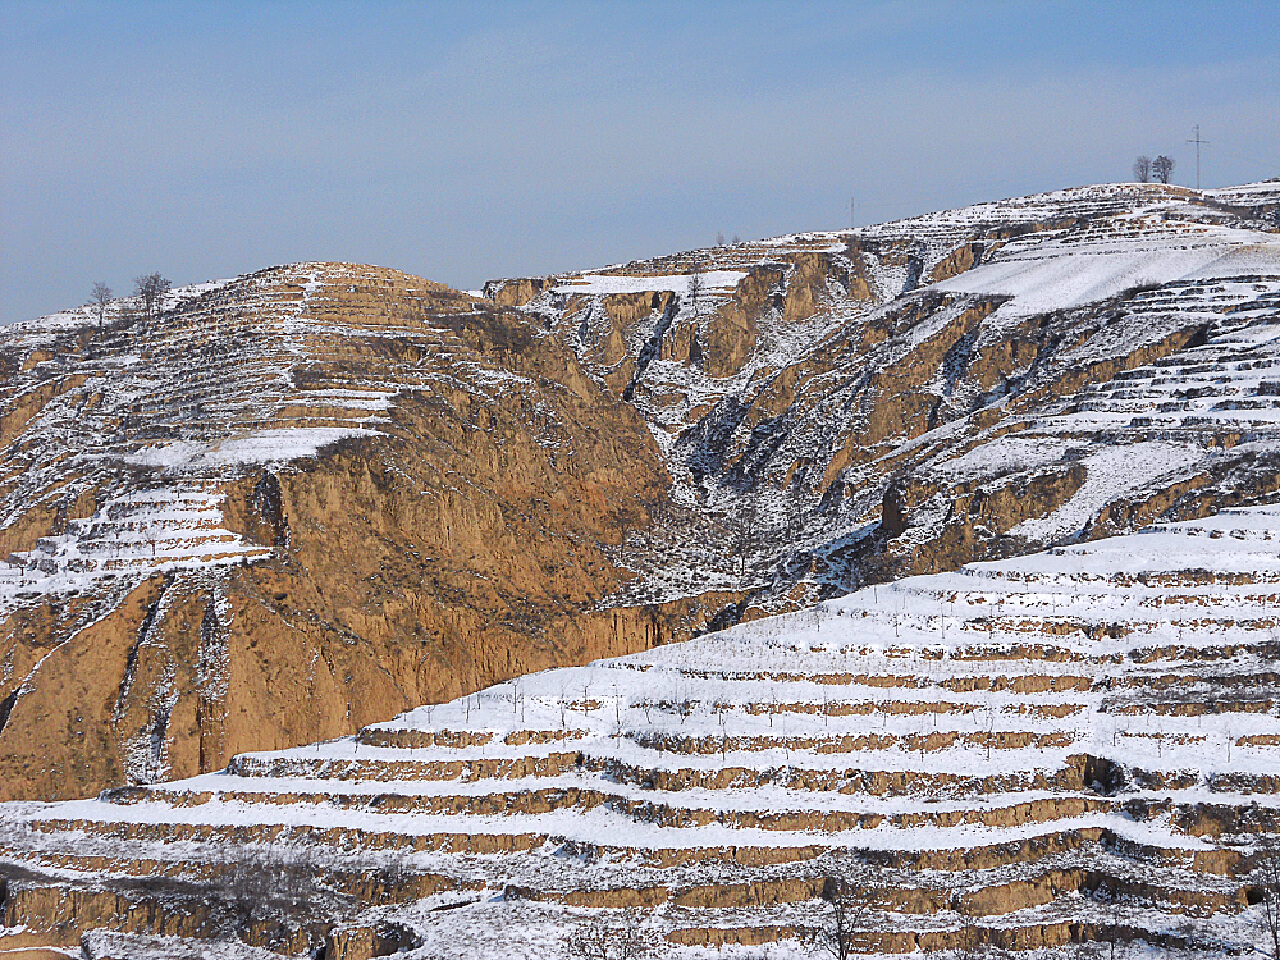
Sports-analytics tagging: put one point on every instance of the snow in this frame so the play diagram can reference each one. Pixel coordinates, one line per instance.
(1254, 191)
(152, 418)
(87, 314)
(802, 707)
(1081, 259)
(1111, 474)
(595, 283)
(132, 535)
(103, 943)
(923, 627)
(1006, 455)
(1055, 275)
(903, 717)
(1256, 258)
(263, 447)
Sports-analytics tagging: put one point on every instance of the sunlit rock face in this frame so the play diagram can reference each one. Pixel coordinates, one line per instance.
(290, 505)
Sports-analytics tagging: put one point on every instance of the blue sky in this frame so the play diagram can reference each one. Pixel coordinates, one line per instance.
(209, 139)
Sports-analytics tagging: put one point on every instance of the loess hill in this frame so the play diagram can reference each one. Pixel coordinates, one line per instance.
(1067, 754)
(305, 500)
(292, 505)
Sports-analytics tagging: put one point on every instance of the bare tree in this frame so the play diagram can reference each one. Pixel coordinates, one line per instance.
(1142, 169)
(590, 942)
(150, 290)
(256, 885)
(101, 299)
(847, 920)
(1267, 870)
(1162, 168)
(838, 934)
(1114, 915)
(695, 286)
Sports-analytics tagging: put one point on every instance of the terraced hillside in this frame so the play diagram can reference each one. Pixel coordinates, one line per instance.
(947, 374)
(302, 501)
(1038, 754)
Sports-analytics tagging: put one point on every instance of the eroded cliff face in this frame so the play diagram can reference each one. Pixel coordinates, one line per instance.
(843, 407)
(203, 589)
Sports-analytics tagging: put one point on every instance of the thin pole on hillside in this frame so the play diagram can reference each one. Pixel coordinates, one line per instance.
(1197, 141)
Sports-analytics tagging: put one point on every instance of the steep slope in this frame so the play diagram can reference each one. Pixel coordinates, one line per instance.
(1069, 748)
(818, 375)
(288, 506)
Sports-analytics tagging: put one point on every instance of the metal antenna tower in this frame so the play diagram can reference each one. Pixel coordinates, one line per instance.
(1197, 141)
(851, 209)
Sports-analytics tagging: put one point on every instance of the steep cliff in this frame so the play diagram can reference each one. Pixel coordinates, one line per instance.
(291, 506)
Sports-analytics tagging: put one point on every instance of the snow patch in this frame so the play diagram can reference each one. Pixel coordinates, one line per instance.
(263, 447)
(599, 283)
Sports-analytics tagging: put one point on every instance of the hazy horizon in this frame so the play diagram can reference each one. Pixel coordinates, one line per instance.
(206, 141)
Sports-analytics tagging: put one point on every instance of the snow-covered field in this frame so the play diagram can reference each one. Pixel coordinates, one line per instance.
(1090, 704)
(1042, 276)
(132, 535)
(675, 283)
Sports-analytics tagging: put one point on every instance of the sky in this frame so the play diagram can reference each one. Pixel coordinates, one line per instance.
(462, 142)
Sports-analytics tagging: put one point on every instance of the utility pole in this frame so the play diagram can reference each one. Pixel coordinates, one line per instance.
(1197, 141)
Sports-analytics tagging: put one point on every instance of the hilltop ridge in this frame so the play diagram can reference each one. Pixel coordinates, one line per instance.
(295, 503)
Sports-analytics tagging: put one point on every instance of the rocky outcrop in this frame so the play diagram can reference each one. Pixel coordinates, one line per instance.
(818, 374)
